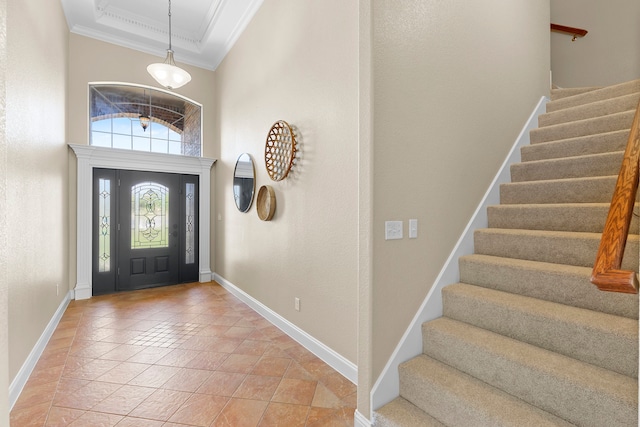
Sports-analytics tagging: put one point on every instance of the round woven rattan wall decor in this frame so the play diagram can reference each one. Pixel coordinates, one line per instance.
(266, 203)
(280, 150)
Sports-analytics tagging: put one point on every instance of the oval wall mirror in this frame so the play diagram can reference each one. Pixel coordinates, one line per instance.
(244, 182)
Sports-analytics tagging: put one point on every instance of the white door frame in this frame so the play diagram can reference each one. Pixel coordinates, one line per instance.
(90, 157)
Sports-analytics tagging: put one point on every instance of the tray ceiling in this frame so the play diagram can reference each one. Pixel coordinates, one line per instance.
(203, 31)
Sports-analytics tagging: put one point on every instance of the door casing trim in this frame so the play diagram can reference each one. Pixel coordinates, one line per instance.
(90, 157)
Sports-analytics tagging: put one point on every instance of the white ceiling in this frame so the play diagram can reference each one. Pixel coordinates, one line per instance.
(203, 31)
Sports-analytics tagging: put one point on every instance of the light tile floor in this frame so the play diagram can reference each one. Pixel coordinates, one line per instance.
(185, 355)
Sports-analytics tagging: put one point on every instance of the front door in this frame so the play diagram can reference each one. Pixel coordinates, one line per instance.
(145, 226)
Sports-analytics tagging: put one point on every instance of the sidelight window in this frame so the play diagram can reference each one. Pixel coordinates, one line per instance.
(190, 235)
(104, 225)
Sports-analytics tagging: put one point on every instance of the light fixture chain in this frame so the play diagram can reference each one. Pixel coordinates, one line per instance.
(170, 25)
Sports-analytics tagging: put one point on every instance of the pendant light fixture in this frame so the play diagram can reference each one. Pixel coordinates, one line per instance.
(167, 73)
(145, 119)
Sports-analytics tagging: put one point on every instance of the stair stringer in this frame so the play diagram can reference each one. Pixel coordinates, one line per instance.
(387, 386)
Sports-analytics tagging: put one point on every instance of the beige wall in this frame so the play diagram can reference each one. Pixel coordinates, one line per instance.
(37, 186)
(453, 84)
(4, 283)
(608, 54)
(91, 60)
(296, 61)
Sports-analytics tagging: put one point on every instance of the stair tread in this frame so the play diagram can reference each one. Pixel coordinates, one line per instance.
(596, 189)
(592, 109)
(549, 233)
(589, 165)
(562, 247)
(571, 180)
(559, 160)
(583, 127)
(561, 92)
(562, 283)
(598, 338)
(588, 156)
(586, 217)
(402, 413)
(581, 145)
(463, 397)
(591, 96)
(573, 390)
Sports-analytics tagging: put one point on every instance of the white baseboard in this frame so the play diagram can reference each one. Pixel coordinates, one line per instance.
(348, 369)
(25, 371)
(387, 387)
(360, 420)
(82, 291)
(205, 276)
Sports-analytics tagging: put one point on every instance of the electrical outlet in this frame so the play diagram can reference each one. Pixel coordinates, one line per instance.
(296, 304)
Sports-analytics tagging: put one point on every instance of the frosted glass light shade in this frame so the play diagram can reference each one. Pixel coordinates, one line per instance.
(168, 74)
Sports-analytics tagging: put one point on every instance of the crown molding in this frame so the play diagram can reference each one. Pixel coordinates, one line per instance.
(202, 39)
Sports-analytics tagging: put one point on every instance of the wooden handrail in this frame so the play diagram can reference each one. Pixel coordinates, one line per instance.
(575, 32)
(607, 275)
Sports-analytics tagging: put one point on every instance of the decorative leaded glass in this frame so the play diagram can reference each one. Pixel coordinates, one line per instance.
(149, 216)
(190, 235)
(104, 225)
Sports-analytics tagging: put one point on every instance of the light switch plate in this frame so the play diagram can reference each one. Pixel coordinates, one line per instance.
(413, 228)
(392, 230)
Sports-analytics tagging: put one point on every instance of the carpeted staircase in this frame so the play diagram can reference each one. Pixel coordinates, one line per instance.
(526, 339)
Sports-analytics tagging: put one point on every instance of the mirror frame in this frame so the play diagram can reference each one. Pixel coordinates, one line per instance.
(237, 189)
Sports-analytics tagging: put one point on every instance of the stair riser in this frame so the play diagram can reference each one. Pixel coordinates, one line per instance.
(575, 129)
(456, 399)
(573, 167)
(588, 111)
(580, 217)
(581, 146)
(600, 339)
(575, 391)
(579, 250)
(588, 190)
(568, 285)
(594, 96)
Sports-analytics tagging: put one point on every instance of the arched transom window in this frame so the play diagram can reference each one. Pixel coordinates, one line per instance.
(142, 118)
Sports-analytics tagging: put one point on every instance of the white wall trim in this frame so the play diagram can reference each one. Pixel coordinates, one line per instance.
(348, 369)
(18, 383)
(387, 387)
(360, 420)
(90, 157)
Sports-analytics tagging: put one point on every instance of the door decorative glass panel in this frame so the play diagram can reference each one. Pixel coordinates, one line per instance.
(190, 235)
(104, 225)
(149, 216)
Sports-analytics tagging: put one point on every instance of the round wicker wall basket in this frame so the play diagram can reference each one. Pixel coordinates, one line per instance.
(280, 150)
(266, 203)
